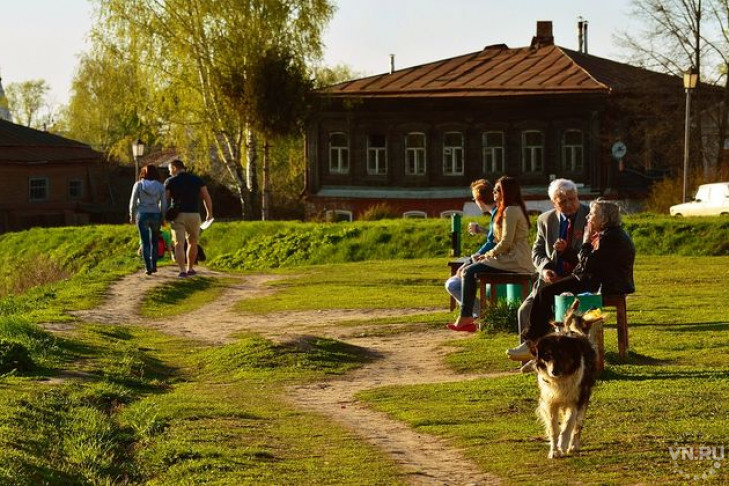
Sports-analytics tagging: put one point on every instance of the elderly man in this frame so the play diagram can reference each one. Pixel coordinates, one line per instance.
(555, 251)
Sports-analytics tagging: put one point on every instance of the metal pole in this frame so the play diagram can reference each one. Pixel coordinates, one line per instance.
(136, 168)
(686, 143)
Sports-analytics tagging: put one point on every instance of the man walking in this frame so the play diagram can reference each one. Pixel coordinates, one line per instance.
(555, 251)
(184, 191)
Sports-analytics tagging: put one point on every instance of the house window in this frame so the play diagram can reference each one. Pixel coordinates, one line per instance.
(376, 154)
(453, 153)
(340, 215)
(38, 189)
(532, 142)
(415, 154)
(572, 150)
(415, 215)
(75, 189)
(338, 153)
(493, 152)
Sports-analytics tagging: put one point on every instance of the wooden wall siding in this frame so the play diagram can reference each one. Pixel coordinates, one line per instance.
(470, 119)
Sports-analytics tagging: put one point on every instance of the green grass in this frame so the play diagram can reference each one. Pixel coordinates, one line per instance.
(361, 285)
(123, 405)
(182, 296)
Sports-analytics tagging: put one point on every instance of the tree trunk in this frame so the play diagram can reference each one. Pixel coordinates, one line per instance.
(266, 200)
(252, 145)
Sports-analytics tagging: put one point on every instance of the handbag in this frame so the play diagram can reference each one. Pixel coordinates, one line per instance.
(172, 213)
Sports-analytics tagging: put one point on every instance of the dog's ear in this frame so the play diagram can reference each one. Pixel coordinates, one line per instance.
(557, 326)
(575, 305)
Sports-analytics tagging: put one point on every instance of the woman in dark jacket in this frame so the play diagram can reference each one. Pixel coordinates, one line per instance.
(605, 265)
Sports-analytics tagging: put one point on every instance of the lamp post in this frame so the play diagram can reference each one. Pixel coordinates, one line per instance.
(137, 151)
(690, 80)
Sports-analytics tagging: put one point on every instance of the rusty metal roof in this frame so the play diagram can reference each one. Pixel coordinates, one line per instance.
(24, 145)
(500, 71)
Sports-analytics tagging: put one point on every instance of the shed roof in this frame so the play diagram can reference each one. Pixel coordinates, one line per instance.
(499, 71)
(20, 144)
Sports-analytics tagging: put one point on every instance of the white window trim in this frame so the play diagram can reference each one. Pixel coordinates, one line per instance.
(47, 188)
(493, 152)
(342, 155)
(419, 155)
(415, 215)
(572, 148)
(450, 156)
(380, 159)
(529, 152)
(450, 212)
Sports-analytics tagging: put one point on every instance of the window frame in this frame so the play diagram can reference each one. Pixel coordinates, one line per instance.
(80, 194)
(419, 155)
(47, 189)
(450, 212)
(378, 155)
(489, 167)
(342, 151)
(574, 164)
(415, 215)
(453, 155)
(532, 156)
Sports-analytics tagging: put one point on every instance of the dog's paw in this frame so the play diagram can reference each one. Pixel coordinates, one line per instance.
(573, 451)
(554, 454)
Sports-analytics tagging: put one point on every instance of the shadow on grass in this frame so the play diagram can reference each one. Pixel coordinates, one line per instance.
(634, 358)
(612, 374)
(697, 326)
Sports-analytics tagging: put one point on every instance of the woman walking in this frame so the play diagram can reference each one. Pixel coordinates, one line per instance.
(148, 203)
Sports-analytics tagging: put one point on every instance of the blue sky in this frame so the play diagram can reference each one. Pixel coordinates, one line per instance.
(42, 38)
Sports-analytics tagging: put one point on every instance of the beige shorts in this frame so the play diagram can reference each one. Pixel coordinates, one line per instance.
(186, 224)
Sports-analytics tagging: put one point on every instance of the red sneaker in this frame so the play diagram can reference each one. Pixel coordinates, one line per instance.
(471, 327)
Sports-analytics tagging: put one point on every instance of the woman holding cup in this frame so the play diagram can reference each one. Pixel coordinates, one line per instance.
(482, 192)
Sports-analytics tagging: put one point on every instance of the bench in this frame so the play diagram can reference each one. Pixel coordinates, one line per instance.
(493, 279)
(621, 315)
(597, 334)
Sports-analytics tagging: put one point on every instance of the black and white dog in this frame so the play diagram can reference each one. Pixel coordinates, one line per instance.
(566, 365)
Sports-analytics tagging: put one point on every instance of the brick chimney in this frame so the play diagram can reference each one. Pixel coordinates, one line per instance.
(544, 35)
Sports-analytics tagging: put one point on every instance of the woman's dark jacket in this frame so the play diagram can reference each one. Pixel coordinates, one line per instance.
(611, 265)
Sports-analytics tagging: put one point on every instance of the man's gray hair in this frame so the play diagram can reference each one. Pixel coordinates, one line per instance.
(561, 187)
(607, 212)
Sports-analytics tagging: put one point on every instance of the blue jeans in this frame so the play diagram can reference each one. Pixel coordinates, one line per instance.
(149, 231)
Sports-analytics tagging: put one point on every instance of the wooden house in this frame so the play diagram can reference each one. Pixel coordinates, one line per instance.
(47, 180)
(415, 138)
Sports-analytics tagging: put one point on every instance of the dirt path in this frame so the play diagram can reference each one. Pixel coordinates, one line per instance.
(402, 358)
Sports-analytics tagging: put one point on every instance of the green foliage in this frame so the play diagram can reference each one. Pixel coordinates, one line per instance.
(26, 101)
(73, 267)
(501, 317)
(284, 244)
(14, 357)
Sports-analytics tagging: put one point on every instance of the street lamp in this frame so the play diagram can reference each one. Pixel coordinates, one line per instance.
(137, 151)
(690, 80)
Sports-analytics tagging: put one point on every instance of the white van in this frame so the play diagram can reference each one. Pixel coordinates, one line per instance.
(710, 200)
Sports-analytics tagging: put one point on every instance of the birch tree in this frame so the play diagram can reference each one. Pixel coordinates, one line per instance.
(196, 59)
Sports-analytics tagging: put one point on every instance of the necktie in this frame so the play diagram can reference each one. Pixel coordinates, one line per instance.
(566, 266)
